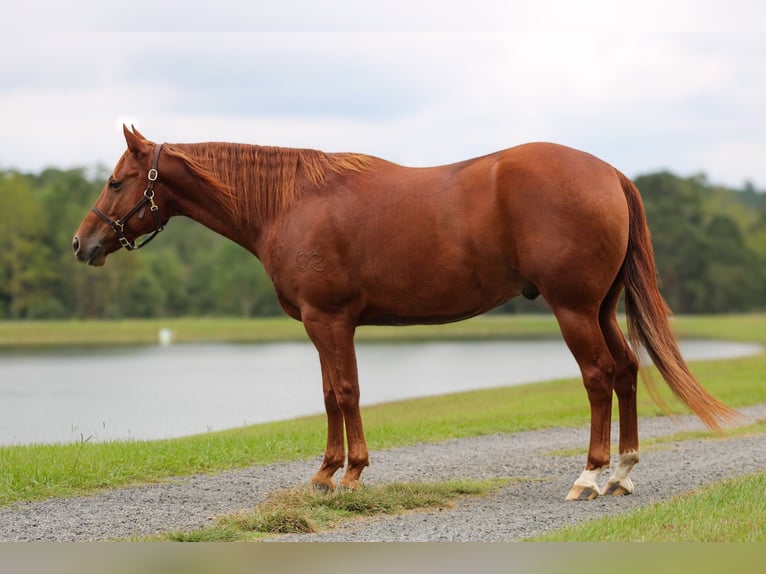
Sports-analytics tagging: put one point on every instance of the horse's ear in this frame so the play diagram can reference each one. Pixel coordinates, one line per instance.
(135, 131)
(137, 144)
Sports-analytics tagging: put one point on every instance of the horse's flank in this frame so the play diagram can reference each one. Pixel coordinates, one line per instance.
(253, 183)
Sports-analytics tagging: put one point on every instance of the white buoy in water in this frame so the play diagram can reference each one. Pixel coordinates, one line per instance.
(166, 336)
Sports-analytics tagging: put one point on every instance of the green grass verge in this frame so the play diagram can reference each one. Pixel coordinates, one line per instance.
(665, 442)
(728, 511)
(14, 334)
(305, 509)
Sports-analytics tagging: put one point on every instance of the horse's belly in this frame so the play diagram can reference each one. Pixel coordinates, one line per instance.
(433, 298)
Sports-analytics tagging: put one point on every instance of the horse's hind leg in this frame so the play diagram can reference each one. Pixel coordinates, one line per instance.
(625, 381)
(584, 338)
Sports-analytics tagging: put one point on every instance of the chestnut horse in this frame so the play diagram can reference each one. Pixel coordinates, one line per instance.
(350, 239)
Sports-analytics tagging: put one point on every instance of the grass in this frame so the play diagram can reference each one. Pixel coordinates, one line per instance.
(33, 472)
(728, 511)
(15, 334)
(306, 509)
(756, 428)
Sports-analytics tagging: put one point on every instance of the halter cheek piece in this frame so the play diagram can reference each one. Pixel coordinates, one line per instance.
(118, 225)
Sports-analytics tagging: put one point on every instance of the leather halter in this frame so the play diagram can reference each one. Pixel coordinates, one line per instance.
(118, 225)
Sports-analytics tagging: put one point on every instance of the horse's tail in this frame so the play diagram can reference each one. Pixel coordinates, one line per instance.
(647, 315)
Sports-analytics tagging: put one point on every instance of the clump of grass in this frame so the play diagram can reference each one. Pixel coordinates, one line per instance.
(306, 509)
(276, 517)
(213, 534)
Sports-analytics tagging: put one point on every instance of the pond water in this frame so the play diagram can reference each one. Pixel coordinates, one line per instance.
(150, 392)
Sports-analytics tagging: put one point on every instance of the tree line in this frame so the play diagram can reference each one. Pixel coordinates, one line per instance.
(709, 240)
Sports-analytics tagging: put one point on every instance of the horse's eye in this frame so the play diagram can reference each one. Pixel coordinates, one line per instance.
(115, 185)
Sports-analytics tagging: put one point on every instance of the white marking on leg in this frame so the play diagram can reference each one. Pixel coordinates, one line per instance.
(620, 482)
(585, 487)
(588, 478)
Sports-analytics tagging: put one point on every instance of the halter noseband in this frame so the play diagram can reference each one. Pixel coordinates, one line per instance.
(118, 225)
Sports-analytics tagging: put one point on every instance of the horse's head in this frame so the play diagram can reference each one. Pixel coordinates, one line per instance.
(127, 208)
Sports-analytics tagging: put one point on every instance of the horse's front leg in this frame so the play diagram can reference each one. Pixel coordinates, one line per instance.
(334, 340)
(335, 452)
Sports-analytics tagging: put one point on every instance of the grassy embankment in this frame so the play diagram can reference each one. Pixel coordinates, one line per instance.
(39, 471)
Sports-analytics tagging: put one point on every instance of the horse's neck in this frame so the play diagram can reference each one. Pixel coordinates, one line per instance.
(270, 183)
(197, 203)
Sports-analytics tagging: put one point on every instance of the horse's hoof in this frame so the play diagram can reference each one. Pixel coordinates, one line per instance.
(350, 485)
(617, 488)
(323, 486)
(582, 493)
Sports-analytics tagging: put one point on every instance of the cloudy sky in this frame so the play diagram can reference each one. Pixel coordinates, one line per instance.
(649, 85)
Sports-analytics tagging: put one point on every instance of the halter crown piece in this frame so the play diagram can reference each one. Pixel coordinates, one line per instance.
(118, 225)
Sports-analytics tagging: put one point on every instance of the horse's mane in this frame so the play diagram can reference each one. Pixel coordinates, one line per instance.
(253, 183)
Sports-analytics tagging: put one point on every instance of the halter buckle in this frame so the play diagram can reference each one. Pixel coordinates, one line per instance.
(152, 175)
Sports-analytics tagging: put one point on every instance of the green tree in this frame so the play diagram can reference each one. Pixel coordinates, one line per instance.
(144, 295)
(65, 196)
(703, 259)
(169, 274)
(25, 277)
(731, 283)
(240, 285)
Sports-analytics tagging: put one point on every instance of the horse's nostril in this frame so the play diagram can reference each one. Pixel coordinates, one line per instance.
(76, 244)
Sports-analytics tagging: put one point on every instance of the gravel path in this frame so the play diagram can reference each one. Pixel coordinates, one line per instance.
(528, 506)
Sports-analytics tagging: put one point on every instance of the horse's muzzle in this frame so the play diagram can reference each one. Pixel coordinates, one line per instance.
(90, 254)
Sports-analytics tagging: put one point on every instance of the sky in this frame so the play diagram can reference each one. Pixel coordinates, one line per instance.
(647, 86)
